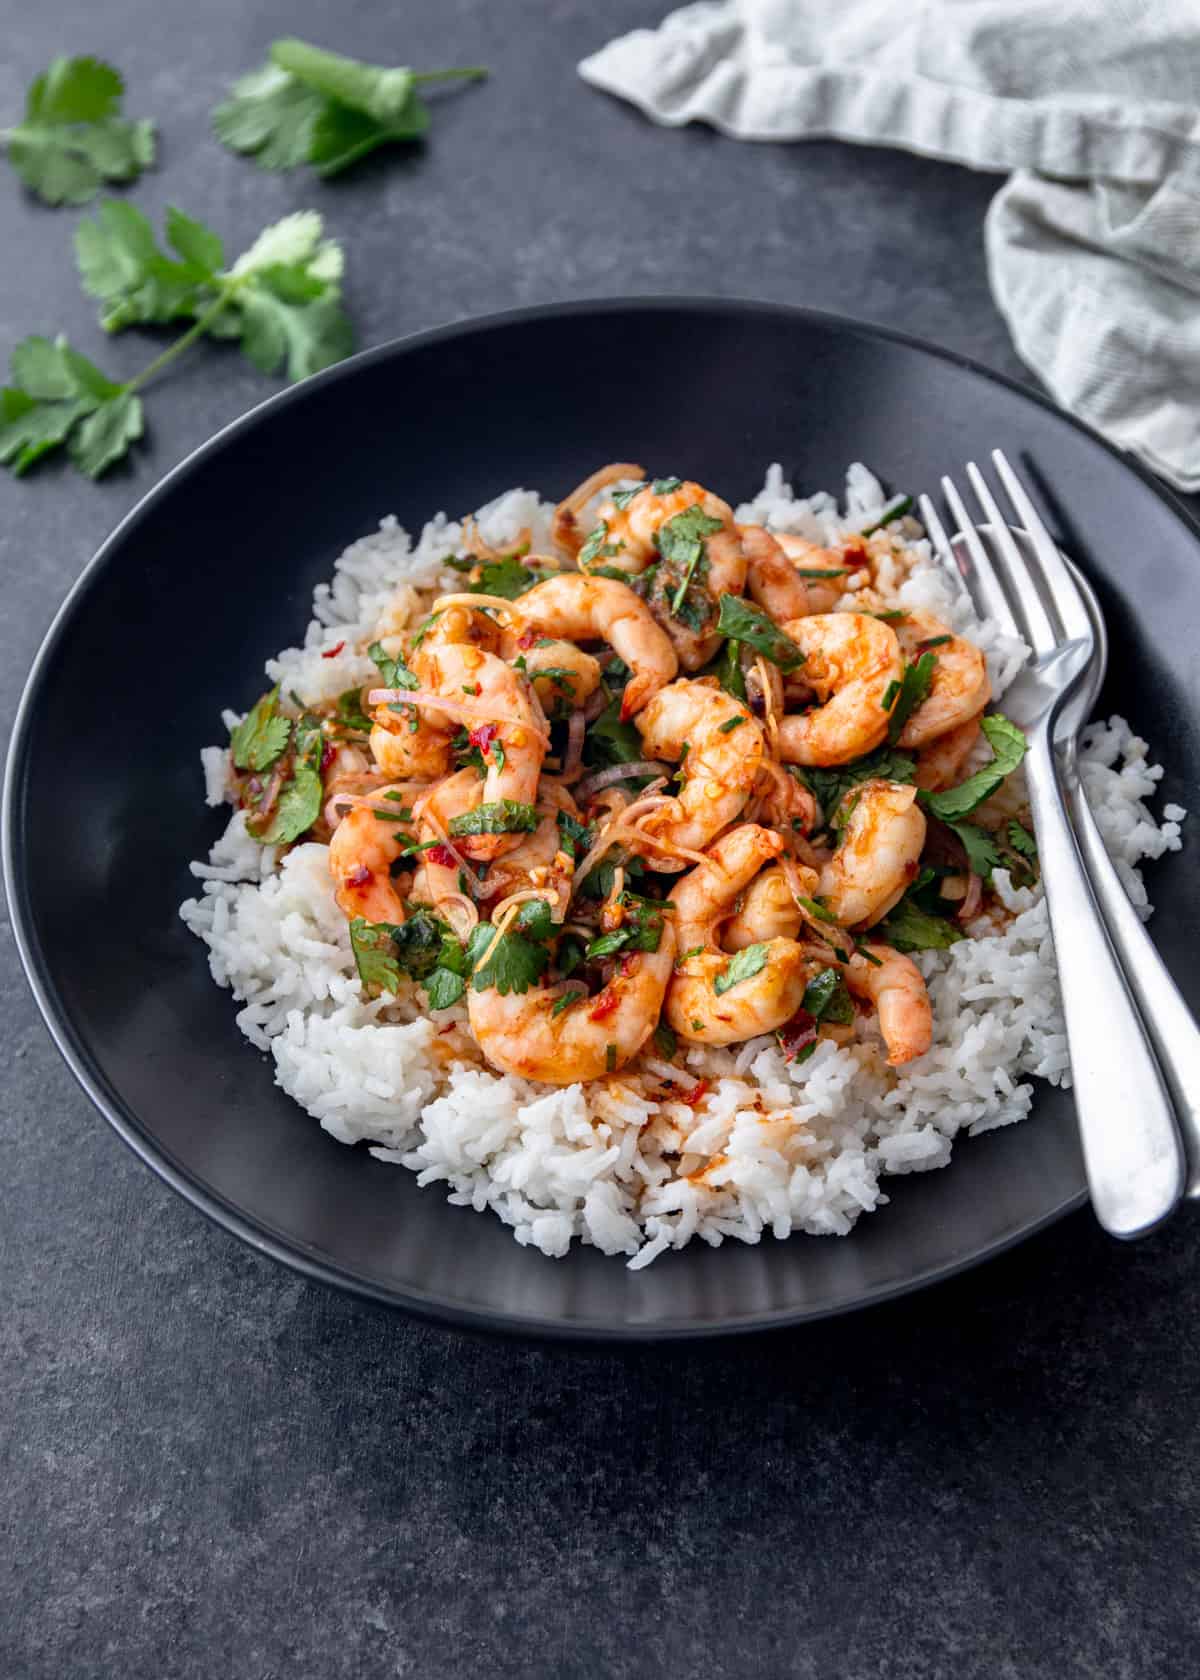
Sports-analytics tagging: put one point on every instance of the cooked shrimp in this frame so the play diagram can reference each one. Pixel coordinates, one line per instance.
(960, 688)
(850, 662)
(766, 910)
(764, 1000)
(521, 1034)
(462, 625)
(725, 575)
(771, 578)
(631, 529)
(433, 812)
(590, 609)
(361, 854)
(492, 690)
(564, 677)
(720, 747)
(539, 862)
(823, 593)
(894, 985)
(567, 529)
(410, 745)
(878, 854)
(943, 763)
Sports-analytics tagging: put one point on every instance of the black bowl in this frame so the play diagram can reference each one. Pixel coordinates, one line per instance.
(214, 571)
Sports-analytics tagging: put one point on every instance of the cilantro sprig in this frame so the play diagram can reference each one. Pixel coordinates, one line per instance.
(495, 816)
(741, 621)
(682, 543)
(830, 787)
(1008, 746)
(73, 136)
(903, 697)
(744, 965)
(281, 299)
(309, 106)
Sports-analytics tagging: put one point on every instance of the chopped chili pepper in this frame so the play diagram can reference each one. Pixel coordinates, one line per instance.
(696, 1095)
(604, 1006)
(442, 855)
(328, 754)
(332, 653)
(796, 1034)
(483, 737)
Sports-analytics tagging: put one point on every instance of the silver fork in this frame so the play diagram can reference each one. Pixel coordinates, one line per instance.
(1131, 1147)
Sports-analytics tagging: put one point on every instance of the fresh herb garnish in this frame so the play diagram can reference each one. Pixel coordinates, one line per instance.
(496, 816)
(665, 486)
(514, 964)
(896, 511)
(505, 577)
(681, 542)
(826, 998)
(611, 740)
(300, 799)
(395, 672)
(819, 574)
(622, 498)
(1020, 839)
(574, 836)
(910, 928)
(310, 106)
(73, 137)
(349, 711)
(597, 547)
(816, 908)
(641, 930)
(1008, 745)
(281, 300)
(373, 945)
(606, 945)
(262, 735)
(727, 668)
(730, 725)
(423, 948)
(980, 847)
(830, 787)
(742, 966)
(915, 683)
(741, 621)
(666, 1040)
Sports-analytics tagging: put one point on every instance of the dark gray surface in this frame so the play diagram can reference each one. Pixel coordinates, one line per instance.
(212, 1468)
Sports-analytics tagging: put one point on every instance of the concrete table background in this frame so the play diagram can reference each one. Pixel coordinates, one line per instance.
(212, 1468)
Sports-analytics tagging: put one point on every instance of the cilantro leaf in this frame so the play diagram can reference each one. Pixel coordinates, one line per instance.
(73, 136)
(495, 816)
(444, 988)
(826, 998)
(535, 919)
(741, 621)
(980, 847)
(506, 577)
(909, 928)
(606, 945)
(727, 668)
(373, 945)
(830, 787)
(743, 966)
(395, 672)
(913, 688)
(58, 397)
(350, 712)
(681, 542)
(298, 806)
(574, 836)
(262, 735)
(1020, 839)
(513, 966)
(311, 106)
(120, 263)
(622, 498)
(1008, 744)
(611, 740)
(597, 547)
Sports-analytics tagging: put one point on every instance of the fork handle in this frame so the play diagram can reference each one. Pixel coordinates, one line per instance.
(1131, 1147)
(1165, 1015)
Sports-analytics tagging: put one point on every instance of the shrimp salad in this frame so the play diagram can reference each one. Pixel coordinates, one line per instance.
(643, 867)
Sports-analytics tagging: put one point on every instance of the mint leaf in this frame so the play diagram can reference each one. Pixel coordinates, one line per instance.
(497, 816)
(73, 137)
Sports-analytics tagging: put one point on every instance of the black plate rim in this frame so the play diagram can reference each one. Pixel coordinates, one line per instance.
(259, 1235)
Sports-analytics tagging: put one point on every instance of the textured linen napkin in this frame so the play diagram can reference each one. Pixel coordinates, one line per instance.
(1093, 244)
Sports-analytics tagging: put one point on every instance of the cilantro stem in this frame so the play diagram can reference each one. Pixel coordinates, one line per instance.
(184, 342)
(472, 74)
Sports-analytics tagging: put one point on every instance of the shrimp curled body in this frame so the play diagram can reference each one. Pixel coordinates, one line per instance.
(893, 983)
(851, 661)
(878, 854)
(959, 689)
(579, 608)
(762, 1001)
(721, 748)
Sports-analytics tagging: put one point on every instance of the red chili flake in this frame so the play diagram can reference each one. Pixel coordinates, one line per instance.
(332, 653)
(795, 1034)
(605, 1004)
(442, 855)
(854, 553)
(526, 640)
(483, 737)
(328, 754)
(696, 1095)
(912, 868)
(629, 963)
(359, 876)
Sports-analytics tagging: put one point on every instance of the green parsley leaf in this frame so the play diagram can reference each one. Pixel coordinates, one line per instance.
(513, 966)
(121, 263)
(915, 683)
(395, 672)
(262, 735)
(58, 397)
(622, 498)
(317, 107)
(1008, 744)
(741, 621)
(496, 816)
(443, 988)
(297, 809)
(743, 966)
(73, 137)
(826, 998)
(373, 945)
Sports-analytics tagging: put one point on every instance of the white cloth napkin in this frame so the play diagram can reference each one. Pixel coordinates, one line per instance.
(1093, 244)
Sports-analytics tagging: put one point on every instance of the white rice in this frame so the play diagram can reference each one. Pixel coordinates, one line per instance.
(773, 1148)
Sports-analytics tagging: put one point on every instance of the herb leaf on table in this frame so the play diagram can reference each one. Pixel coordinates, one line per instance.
(73, 137)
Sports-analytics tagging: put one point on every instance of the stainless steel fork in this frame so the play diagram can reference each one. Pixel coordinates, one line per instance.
(1131, 1146)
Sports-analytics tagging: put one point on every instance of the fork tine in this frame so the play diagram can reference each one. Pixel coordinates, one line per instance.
(985, 587)
(1041, 631)
(1068, 601)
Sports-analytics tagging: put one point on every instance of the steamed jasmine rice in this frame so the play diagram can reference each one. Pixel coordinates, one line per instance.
(738, 1141)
